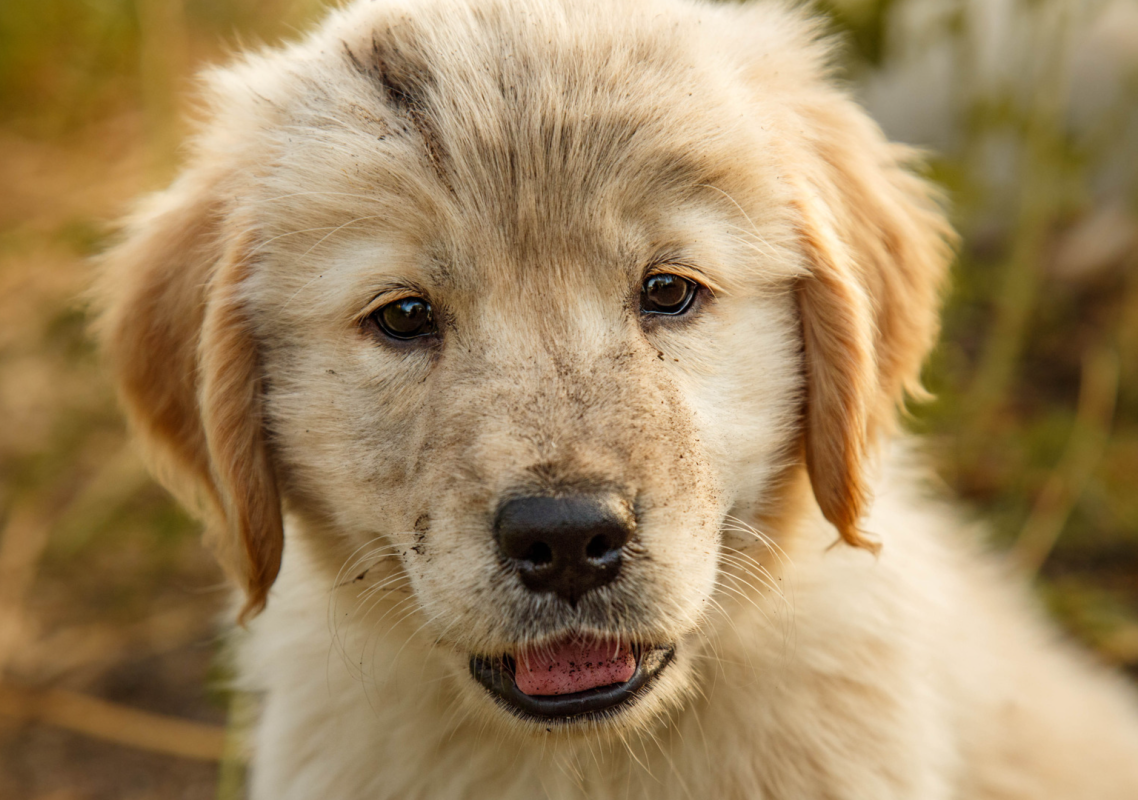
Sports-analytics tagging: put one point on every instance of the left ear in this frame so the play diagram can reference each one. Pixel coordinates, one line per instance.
(874, 241)
(877, 247)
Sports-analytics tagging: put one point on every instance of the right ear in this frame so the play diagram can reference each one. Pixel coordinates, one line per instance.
(179, 341)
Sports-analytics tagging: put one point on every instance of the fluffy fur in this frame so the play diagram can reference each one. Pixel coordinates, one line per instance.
(523, 164)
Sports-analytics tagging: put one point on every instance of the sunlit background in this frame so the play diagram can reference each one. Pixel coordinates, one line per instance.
(109, 682)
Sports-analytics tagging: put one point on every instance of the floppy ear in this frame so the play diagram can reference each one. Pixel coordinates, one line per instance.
(878, 249)
(175, 330)
(875, 243)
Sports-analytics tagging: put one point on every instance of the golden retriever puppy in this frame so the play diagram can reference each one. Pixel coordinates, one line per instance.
(534, 364)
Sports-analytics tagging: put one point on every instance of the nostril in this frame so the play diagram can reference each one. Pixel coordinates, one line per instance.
(539, 554)
(567, 545)
(598, 547)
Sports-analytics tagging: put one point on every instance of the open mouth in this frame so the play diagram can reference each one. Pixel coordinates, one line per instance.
(572, 679)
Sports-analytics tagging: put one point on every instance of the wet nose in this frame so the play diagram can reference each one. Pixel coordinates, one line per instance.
(564, 545)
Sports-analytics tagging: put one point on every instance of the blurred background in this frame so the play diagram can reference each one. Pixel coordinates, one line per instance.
(109, 684)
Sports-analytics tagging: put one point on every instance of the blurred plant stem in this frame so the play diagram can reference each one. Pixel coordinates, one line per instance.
(163, 61)
(1098, 394)
(132, 727)
(1042, 198)
(1128, 326)
(232, 776)
(22, 544)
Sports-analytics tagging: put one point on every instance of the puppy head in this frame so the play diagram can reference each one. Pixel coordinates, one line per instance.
(524, 299)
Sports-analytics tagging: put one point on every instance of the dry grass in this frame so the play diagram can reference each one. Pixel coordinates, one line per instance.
(108, 683)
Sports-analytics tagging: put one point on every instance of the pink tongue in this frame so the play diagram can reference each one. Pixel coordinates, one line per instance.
(573, 667)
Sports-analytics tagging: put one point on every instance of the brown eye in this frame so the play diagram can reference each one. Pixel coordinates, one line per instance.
(408, 318)
(666, 294)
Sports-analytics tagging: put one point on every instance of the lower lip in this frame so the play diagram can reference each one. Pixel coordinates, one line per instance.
(596, 703)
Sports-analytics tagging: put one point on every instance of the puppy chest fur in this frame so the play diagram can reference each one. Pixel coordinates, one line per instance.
(534, 365)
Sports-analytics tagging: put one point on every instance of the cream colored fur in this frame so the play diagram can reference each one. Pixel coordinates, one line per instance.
(523, 164)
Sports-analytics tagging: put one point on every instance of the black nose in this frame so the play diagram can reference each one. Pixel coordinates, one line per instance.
(565, 545)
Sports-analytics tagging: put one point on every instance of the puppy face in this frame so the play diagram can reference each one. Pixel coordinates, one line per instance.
(521, 301)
